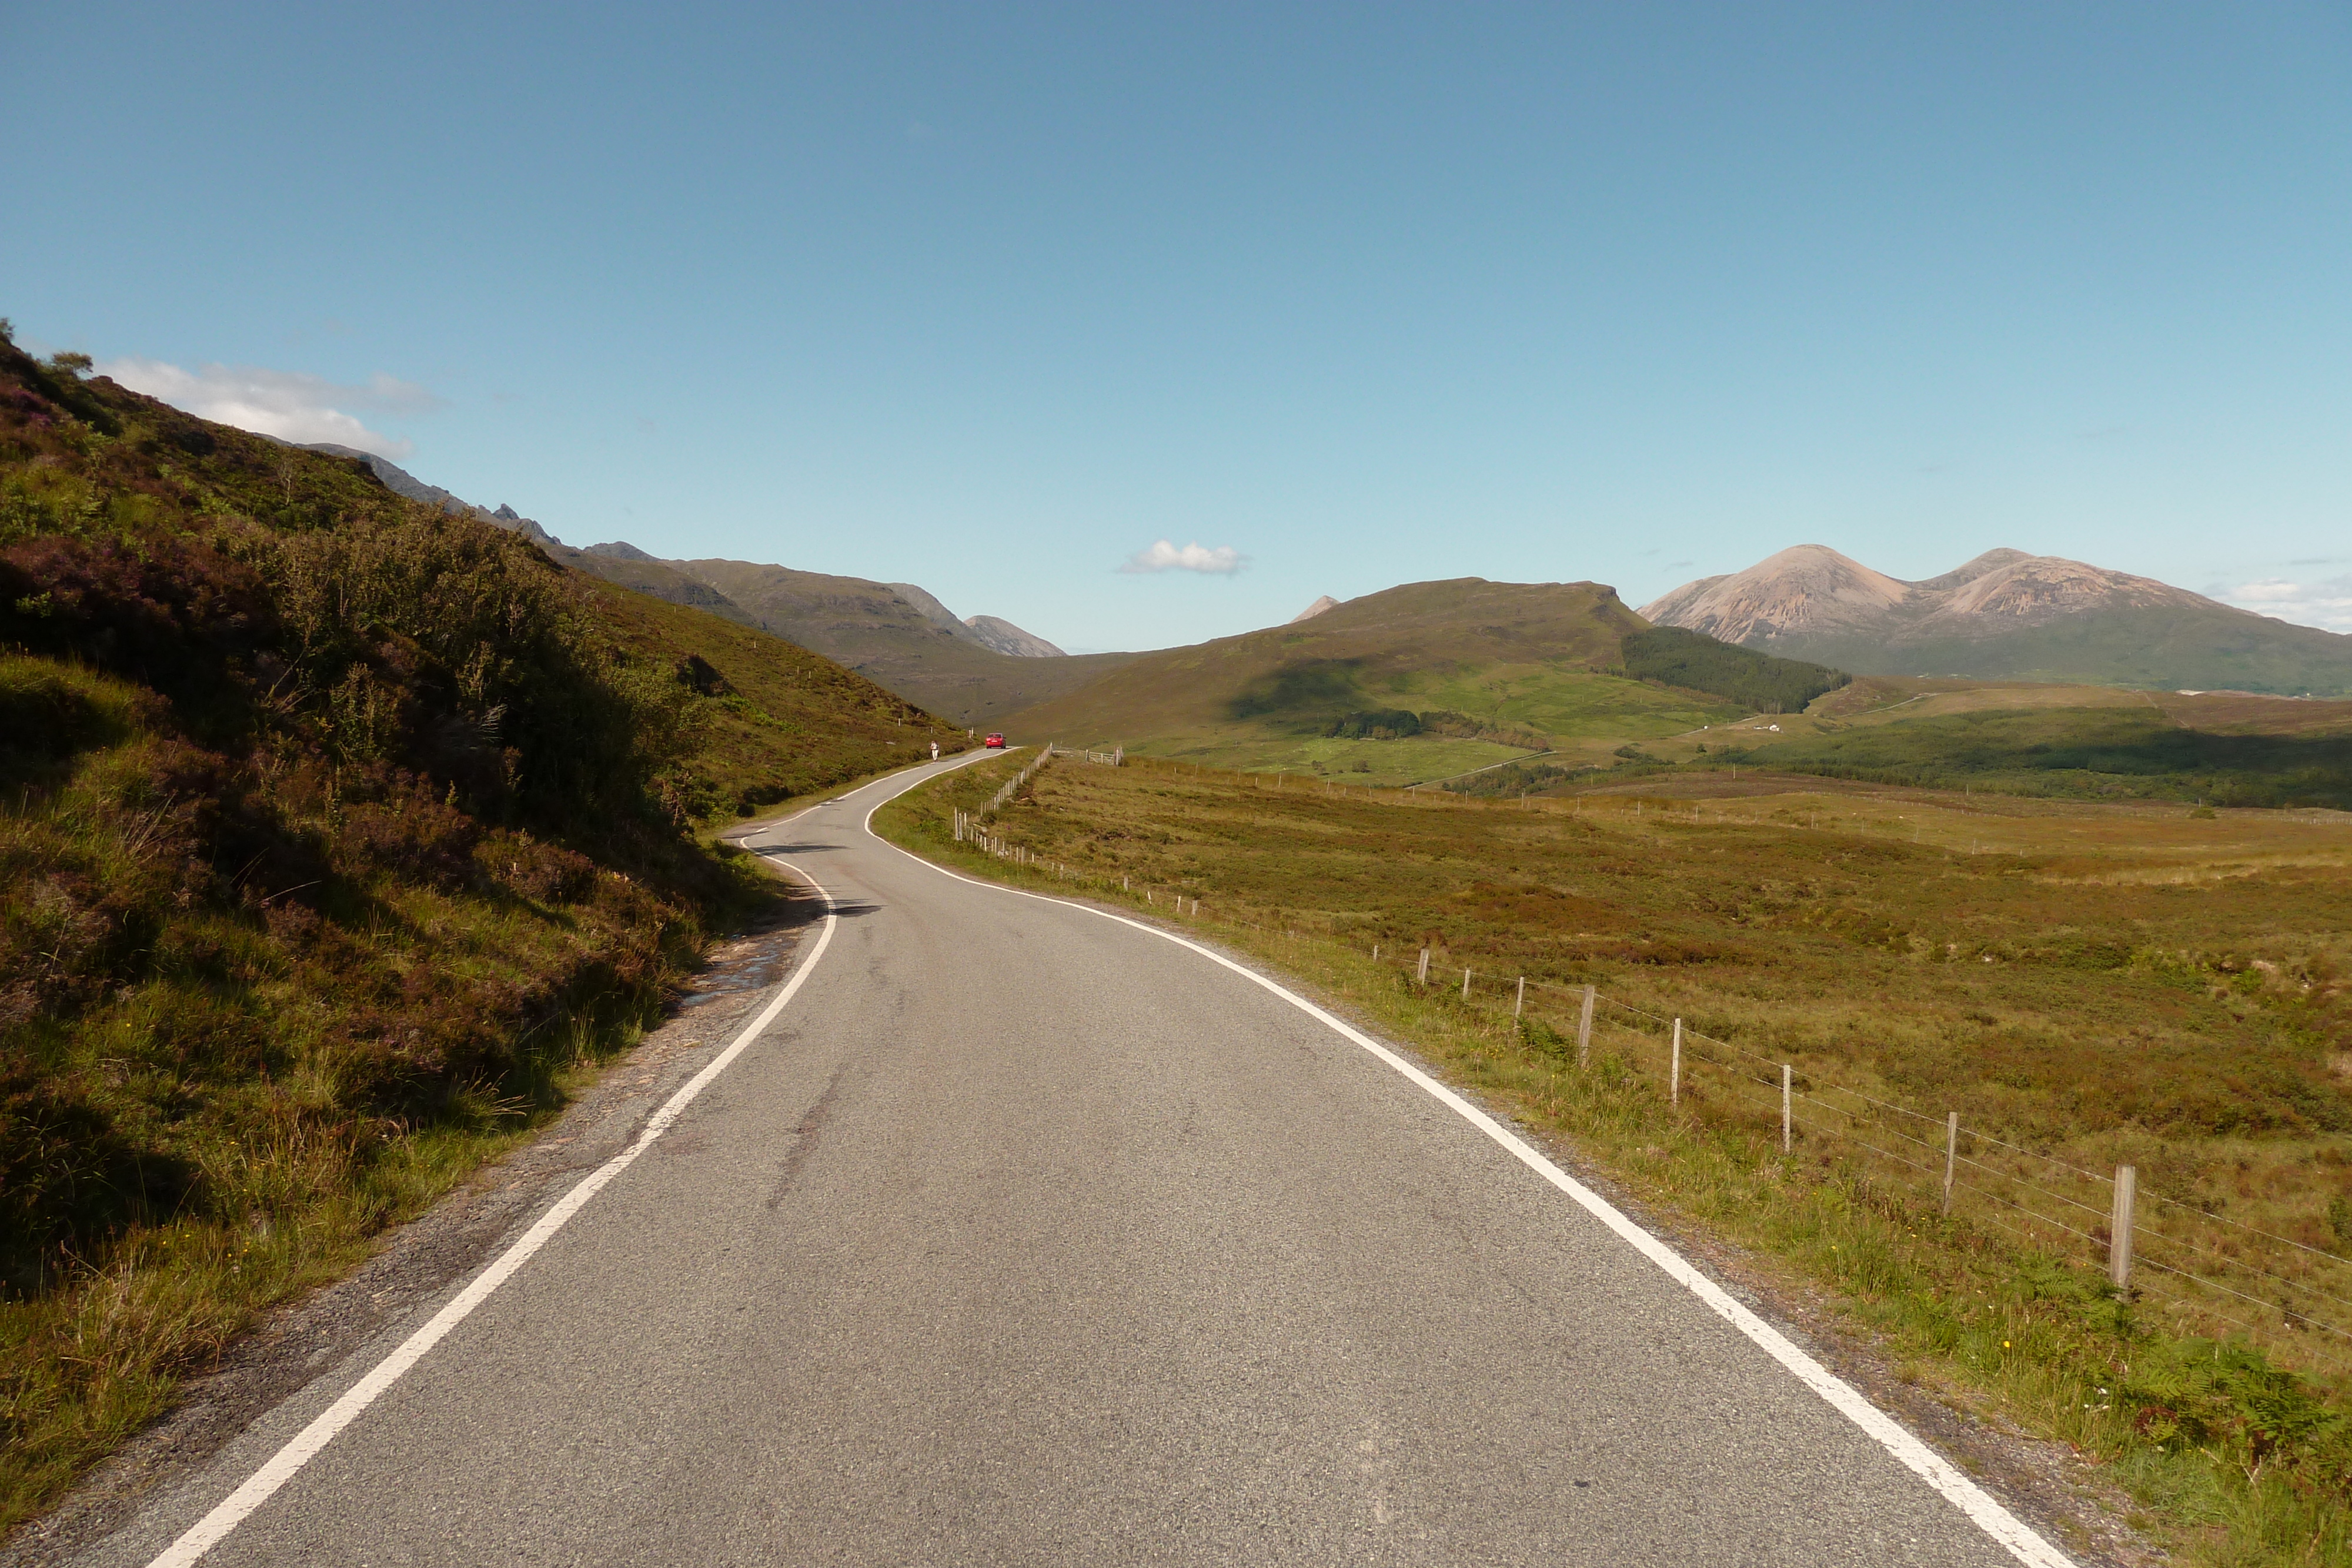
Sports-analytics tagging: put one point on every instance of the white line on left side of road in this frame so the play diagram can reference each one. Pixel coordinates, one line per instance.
(232, 1511)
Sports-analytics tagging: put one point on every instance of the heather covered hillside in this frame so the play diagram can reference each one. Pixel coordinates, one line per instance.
(335, 829)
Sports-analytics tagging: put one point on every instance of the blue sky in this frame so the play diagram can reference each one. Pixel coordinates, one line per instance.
(996, 299)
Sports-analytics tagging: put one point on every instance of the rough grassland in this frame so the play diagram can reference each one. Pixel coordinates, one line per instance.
(336, 835)
(2159, 988)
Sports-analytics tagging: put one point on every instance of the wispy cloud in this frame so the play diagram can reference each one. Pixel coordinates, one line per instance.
(2326, 604)
(1164, 555)
(287, 404)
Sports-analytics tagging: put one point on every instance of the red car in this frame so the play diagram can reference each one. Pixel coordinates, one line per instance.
(996, 743)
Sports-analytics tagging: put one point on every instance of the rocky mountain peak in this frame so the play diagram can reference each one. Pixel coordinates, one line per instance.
(2006, 614)
(1007, 638)
(1806, 588)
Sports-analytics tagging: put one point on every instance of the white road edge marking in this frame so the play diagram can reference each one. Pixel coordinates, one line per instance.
(232, 1511)
(1984, 1509)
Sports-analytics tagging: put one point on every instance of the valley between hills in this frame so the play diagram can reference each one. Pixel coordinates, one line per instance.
(2020, 672)
(353, 828)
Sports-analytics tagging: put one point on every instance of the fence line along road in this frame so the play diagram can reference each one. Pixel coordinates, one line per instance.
(2292, 1297)
(2217, 1274)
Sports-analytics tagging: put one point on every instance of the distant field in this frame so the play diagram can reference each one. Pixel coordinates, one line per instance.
(1574, 704)
(2093, 983)
(2017, 737)
(2106, 752)
(1853, 926)
(1585, 714)
(1244, 749)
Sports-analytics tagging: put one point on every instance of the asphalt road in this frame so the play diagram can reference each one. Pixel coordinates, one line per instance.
(1022, 1235)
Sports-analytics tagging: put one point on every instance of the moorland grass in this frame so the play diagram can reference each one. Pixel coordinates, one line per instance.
(2115, 753)
(2164, 988)
(336, 836)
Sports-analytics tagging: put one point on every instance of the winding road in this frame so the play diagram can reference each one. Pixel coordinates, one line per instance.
(1012, 1231)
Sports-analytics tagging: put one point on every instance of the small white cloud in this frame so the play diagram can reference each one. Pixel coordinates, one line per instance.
(287, 404)
(1165, 556)
(2327, 605)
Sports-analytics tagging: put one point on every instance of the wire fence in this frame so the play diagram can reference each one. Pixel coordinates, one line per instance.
(2205, 1272)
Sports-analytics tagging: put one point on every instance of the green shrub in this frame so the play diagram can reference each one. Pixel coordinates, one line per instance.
(1698, 663)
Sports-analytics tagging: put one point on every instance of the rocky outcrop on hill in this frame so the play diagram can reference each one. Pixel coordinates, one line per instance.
(1007, 638)
(401, 482)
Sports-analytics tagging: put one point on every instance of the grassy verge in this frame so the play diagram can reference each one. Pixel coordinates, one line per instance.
(103, 1352)
(213, 1097)
(337, 836)
(2228, 1455)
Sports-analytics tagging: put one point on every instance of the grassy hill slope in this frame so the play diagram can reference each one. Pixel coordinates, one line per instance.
(2163, 648)
(2017, 737)
(776, 720)
(656, 579)
(868, 627)
(1484, 672)
(334, 829)
(2121, 752)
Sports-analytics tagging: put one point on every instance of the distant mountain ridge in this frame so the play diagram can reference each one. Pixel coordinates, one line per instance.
(2006, 614)
(897, 634)
(401, 482)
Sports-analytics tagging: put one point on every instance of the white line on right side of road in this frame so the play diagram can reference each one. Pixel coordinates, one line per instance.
(1985, 1511)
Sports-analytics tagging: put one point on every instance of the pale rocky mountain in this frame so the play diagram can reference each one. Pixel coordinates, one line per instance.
(1809, 589)
(986, 631)
(2034, 590)
(1812, 591)
(927, 606)
(1007, 638)
(2005, 614)
(1318, 608)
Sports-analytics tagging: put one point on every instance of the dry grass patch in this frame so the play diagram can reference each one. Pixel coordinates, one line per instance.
(2008, 959)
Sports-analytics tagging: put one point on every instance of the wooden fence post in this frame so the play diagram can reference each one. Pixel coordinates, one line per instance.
(2119, 1236)
(1521, 1005)
(1788, 1078)
(1584, 1030)
(1951, 1156)
(1675, 1068)
(1465, 984)
(1423, 978)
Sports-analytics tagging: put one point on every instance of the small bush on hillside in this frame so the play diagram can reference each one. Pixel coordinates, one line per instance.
(1377, 724)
